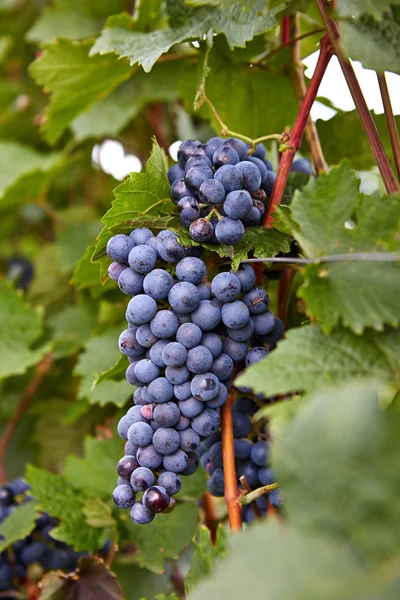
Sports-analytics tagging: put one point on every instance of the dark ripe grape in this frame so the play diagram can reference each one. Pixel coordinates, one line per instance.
(197, 161)
(164, 324)
(213, 342)
(140, 514)
(115, 270)
(192, 464)
(260, 207)
(259, 195)
(207, 150)
(156, 499)
(241, 425)
(238, 204)
(259, 453)
(269, 182)
(235, 314)
(126, 466)
(229, 231)
(142, 259)
(250, 471)
(226, 155)
(175, 172)
(170, 481)
(184, 297)
(251, 175)
(141, 309)
(206, 422)
(140, 235)
(6, 496)
(230, 177)
(240, 147)
(157, 284)
(170, 507)
(118, 248)
(205, 387)
(201, 230)
(253, 218)
(256, 300)
(191, 269)
(176, 462)
(276, 333)
(263, 323)
(211, 192)
(196, 175)
(130, 282)
(226, 286)
(142, 479)
(189, 440)
(215, 484)
(189, 210)
(255, 355)
(260, 151)
(124, 496)
(301, 165)
(170, 250)
(186, 150)
(260, 165)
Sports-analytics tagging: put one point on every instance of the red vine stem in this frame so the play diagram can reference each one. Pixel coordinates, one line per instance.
(390, 120)
(284, 288)
(41, 369)
(367, 121)
(210, 520)
(294, 139)
(285, 30)
(228, 456)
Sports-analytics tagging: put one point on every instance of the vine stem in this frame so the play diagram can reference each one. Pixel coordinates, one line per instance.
(300, 89)
(293, 142)
(391, 121)
(261, 491)
(266, 55)
(231, 490)
(367, 121)
(247, 490)
(284, 287)
(211, 520)
(40, 371)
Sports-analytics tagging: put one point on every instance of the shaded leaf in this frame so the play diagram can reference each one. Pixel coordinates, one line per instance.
(71, 327)
(18, 525)
(97, 513)
(206, 555)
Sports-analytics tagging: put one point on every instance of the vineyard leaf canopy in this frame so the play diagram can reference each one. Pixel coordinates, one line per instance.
(146, 48)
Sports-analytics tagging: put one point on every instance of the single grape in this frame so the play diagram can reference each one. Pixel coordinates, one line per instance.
(229, 231)
(226, 287)
(189, 440)
(115, 270)
(123, 496)
(126, 466)
(207, 315)
(170, 249)
(155, 353)
(201, 230)
(176, 462)
(192, 464)
(197, 161)
(206, 422)
(246, 276)
(175, 172)
(245, 405)
(179, 190)
(241, 425)
(256, 300)
(149, 457)
(128, 345)
(301, 165)
(174, 354)
(211, 192)
(164, 324)
(167, 414)
(226, 155)
(118, 248)
(205, 386)
(33, 553)
(191, 407)
(215, 484)
(220, 398)
(251, 175)
(191, 269)
(238, 204)
(189, 210)
(153, 243)
(260, 151)
(186, 150)
(157, 284)
(236, 350)
(140, 235)
(182, 392)
(242, 448)
(122, 427)
(199, 359)
(222, 366)
(146, 370)
(141, 479)
(160, 390)
(196, 175)
(250, 471)
(177, 375)
(147, 411)
(138, 398)
(140, 514)
(230, 177)
(140, 434)
(235, 314)
(189, 335)
(266, 476)
(263, 323)
(255, 355)
(213, 342)
(243, 334)
(240, 147)
(170, 481)
(145, 337)
(253, 218)
(166, 440)
(184, 297)
(141, 309)
(269, 182)
(183, 423)
(260, 165)
(275, 334)
(215, 454)
(130, 282)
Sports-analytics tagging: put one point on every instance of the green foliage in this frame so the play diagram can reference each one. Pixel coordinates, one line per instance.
(19, 524)
(205, 556)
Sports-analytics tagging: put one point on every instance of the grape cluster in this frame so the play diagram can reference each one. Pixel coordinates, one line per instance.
(220, 188)
(38, 548)
(183, 340)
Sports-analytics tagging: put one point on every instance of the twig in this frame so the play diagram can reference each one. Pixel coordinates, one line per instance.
(367, 121)
(40, 371)
(300, 89)
(391, 121)
(247, 489)
(284, 289)
(210, 520)
(178, 581)
(293, 143)
(261, 491)
(110, 555)
(355, 256)
(228, 456)
(267, 54)
(285, 30)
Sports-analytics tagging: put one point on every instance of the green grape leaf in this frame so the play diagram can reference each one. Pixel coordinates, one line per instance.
(147, 583)
(146, 48)
(74, 80)
(344, 440)
(346, 130)
(114, 373)
(21, 325)
(50, 285)
(95, 472)
(245, 5)
(206, 555)
(141, 195)
(71, 327)
(91, 580)
(100, 353)
(97, 513)
(62, 21)
(18, 524)
(112, 113)
(164, 537)
(258, 240)
(230, 78)
(87, 275)
(356, 8)
(72, 242)
(193, 487)
(375, 43)
(307, 359)
(54, 495)
(360, 294)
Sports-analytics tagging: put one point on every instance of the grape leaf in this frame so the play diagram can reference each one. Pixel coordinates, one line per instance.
(375, 43)
(360, 294)
(147, 584)
(74, 80)
(61, 21)
(307, 359)
(140, 195)
(326, 442)
(54, 495)
(114, 373)
(50, 285)
(98, 513)
(164, 537)
(71, 327)
(355, 8)
(91, 580)
(87, 275)
(95, 473)
(20, 326)
(245, 5)
(18, 524)
(205, 557)
(193, 487)
(145, 48)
